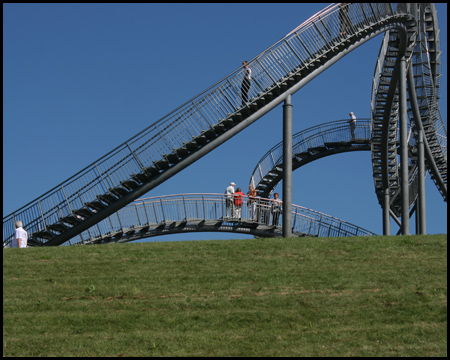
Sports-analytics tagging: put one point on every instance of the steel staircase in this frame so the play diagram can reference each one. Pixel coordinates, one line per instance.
(200, 125)
(386, 106)
(308, 145)
(425, 82)
(427, 74)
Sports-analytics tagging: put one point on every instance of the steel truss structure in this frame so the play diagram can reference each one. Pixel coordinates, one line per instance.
(410, 54)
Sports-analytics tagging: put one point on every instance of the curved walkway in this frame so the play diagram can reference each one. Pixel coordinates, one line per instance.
(182, 213)
(308, 145)
(203, 123)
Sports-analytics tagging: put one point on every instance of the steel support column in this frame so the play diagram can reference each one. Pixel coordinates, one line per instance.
(421, 208)
(167, 174)
(404, 159)
(287, 167)
(386, 213)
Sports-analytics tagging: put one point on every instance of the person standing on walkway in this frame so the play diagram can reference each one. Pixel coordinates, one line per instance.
(251, 202)
(352, 123)
(238, 200)
(20, 236)
(263, 211)
(276, 209)
(229, 203)
(245, 87)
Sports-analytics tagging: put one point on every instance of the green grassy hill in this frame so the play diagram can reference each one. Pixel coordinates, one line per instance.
(364, 296)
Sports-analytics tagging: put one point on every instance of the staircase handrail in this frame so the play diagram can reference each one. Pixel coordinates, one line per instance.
(174, 130)
(274, 156)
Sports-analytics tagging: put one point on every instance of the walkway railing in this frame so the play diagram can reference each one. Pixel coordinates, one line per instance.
(313, 137)
(194, 209)
(150, 151)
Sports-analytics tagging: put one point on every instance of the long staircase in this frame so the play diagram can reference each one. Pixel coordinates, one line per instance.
(203, 123)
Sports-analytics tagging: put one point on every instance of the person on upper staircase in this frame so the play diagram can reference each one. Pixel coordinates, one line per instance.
(344, 19)
(245, 87)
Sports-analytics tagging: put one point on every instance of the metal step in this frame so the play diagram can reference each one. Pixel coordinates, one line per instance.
(59, 227)
(71, 219)
(96, 205)
(317, 149)
(44, 234)
(107, 198)
(172, 158)
(139, 177)
(129, 184)
(119, 191)
(83, 212)
(162, 164)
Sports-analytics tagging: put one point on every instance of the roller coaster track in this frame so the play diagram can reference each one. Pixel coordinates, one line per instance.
(424, 77)
(331, 138)
(203, 123)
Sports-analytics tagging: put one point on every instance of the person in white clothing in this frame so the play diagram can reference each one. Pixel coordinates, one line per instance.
(20, 236)
(229, 199)
(352, 123)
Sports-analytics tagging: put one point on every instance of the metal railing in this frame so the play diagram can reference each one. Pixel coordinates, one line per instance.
(427, 75)
(428, 78)
(160, 211)
(315, 136)
(293, 53)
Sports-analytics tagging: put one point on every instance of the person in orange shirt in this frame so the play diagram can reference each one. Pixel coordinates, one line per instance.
(238, 201)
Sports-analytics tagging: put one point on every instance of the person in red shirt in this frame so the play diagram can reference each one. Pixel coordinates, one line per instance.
(238, 201)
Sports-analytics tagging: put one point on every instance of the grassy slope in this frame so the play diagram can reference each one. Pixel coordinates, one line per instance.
(366, 296)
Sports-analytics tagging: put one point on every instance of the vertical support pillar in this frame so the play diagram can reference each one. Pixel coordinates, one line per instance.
(386, 216)
(421, 208)
(287, 167)
(416, 204)
(404, 148)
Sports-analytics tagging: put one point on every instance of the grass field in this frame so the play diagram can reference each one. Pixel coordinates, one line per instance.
(363, 296)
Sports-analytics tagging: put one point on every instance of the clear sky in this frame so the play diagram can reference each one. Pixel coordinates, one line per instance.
(80, 79)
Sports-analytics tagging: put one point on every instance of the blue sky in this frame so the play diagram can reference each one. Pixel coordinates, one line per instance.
(80, 79)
